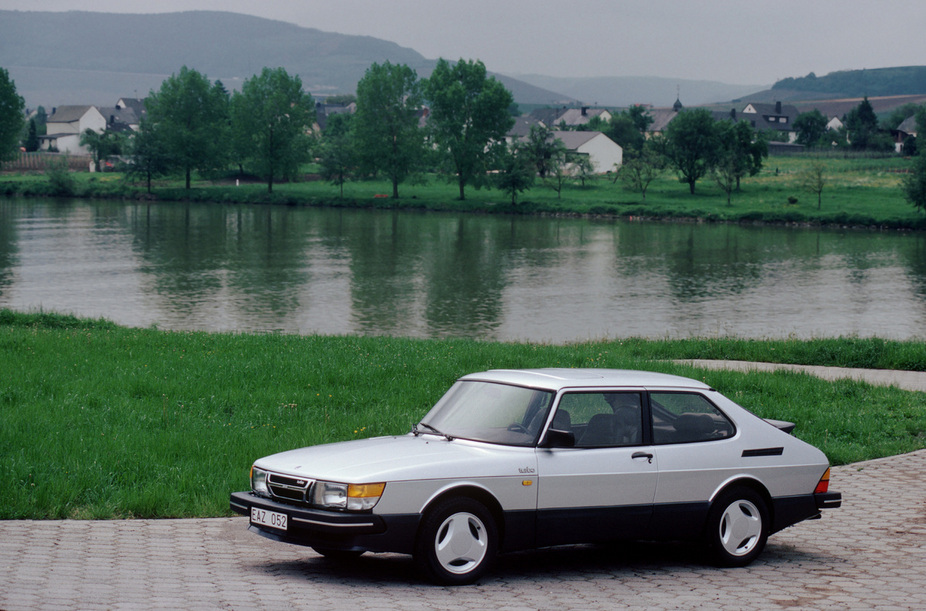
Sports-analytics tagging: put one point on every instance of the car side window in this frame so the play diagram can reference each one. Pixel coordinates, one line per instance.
(680, 417)
(600, 419)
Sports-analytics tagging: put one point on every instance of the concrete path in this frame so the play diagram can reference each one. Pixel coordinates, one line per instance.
(868, 554)
(906, 380)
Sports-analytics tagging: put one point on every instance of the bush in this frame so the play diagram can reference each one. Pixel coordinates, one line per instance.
(59, 177)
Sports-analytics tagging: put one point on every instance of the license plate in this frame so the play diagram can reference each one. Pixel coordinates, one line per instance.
(268, 518)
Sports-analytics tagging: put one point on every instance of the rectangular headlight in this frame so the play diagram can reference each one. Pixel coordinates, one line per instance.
(331, 495)
(352, 497)
(259, 482)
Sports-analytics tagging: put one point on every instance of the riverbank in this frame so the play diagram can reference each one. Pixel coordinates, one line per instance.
(858, 192)
(101, 421)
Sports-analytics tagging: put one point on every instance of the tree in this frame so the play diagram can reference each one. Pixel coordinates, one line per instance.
(640, 117)
(191, 118)
(641, 169)
(724, 173)
(810, 127)
(12, 118)
(32, 137)
(542, 149)
(559, 172)
(582, 167)
(469, 113)
(691, 145)
(623, 130)
(862, 124)
(740, 153)
(384, 130)
(914, 183)
(273, 115)
(149, 154)
(813, 180)
(337, 153)
(899, 115)
(516, 172)
(101, 145)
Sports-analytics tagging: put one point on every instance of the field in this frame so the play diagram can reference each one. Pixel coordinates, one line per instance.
(100, 421)
(858, 191)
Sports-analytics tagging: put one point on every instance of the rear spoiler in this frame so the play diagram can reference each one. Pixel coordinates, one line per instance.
(787, 427)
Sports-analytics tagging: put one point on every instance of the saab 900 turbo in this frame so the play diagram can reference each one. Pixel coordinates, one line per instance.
(518, 459)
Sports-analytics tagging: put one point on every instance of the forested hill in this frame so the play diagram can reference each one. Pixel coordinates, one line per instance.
(221, 45)
(95, 58)
(907, 80)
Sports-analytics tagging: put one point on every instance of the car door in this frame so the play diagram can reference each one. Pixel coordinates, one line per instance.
(603, 488)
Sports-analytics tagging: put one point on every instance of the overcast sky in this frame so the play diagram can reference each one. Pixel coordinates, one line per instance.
(730, 41)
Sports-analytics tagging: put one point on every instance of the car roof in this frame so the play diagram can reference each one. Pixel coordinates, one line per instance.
(559, 378)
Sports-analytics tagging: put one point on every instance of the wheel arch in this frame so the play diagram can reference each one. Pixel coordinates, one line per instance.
(476, 493)
(754, 485)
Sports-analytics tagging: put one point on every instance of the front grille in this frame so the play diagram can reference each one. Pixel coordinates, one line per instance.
(292, 489)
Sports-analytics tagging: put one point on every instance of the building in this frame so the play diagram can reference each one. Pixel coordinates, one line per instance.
(65, 125)
(605, 154)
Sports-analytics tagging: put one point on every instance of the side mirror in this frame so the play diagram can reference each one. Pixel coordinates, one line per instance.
(556, 438)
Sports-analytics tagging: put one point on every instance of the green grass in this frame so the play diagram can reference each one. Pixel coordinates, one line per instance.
(100, 421)
(858, 192)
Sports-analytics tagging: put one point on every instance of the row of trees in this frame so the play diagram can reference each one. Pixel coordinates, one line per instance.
(195, 125)
(862, 131)
(266, 128)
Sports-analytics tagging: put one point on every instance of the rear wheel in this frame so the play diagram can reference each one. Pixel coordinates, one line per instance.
(737, 527)
(457, 541)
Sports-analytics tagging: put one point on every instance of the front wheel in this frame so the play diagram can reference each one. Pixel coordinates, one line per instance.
(737, 527)
(457, 541)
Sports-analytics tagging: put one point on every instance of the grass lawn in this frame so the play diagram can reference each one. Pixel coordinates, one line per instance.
(101, 421)
(857, 191)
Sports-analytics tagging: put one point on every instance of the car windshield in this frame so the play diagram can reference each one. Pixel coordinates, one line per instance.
(491, 412)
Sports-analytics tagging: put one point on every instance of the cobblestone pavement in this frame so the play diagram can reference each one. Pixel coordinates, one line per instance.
(868, 554)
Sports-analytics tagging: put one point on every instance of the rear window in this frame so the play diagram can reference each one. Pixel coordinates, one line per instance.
(681, 417)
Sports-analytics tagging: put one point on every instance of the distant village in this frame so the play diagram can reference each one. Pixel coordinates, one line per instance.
(64, 125)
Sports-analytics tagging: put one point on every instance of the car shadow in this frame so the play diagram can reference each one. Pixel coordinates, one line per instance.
(625, 559)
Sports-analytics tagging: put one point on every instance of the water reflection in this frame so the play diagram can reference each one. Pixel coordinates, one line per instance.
(332, 271)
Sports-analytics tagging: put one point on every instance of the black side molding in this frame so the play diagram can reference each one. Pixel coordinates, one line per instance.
(763, 452)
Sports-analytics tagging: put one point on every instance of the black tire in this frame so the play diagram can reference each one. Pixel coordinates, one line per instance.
(737, 527)
(338, 555)
(457, 541)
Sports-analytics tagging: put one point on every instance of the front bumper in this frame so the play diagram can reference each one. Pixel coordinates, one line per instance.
(332, 529)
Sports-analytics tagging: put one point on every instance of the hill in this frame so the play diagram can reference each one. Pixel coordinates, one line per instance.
(622, 91)
(96, 58)
(904, 80)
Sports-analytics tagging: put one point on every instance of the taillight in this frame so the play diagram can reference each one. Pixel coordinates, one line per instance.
(824, 484)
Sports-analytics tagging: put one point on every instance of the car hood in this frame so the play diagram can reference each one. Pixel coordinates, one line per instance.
(401, 458)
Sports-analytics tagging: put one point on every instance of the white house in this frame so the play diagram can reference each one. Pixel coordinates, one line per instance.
(605, 154)
(834, 124)
(66, 124)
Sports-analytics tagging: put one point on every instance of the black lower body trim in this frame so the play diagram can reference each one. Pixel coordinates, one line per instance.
(332, 529)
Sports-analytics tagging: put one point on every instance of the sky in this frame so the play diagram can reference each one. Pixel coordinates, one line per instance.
(729, 41)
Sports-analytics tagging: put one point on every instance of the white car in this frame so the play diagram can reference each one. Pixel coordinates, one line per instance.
(517, 459)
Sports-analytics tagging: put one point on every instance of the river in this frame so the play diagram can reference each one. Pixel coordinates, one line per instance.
(339, 271)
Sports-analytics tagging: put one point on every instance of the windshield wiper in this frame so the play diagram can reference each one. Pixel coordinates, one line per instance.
(425, 424)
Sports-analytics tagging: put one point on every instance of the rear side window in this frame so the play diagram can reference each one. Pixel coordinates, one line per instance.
(680, 417)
